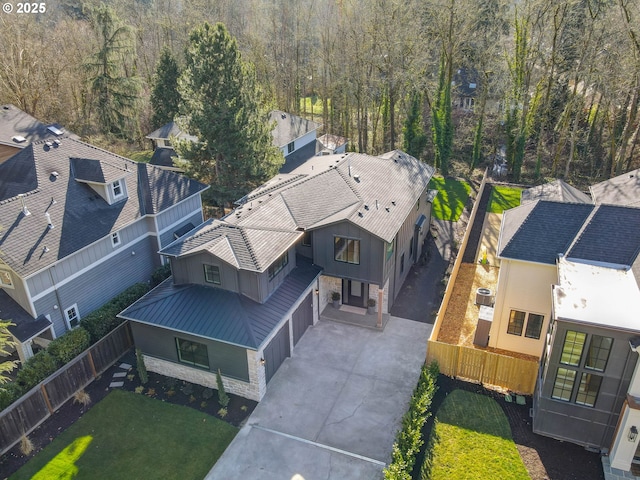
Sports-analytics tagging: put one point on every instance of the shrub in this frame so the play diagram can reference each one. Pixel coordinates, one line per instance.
(26, 445)
(139, 389)
(82, 397)
(223, 398)
(335, 296)
(160, 275)
(9, 394)
(36, 369)
(371, 302)
(70, 345)
(142, 369)
(187, 389)
(101, 321)
(409, 438)
(222, 412)
(207, 393)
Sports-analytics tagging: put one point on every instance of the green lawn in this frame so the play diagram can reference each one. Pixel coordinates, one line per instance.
(451, 199)
(309, 103)
(503, 198)
(128, 435)
(471, 440)
(142, 157)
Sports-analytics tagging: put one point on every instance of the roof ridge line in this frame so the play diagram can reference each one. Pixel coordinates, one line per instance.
(249, 247)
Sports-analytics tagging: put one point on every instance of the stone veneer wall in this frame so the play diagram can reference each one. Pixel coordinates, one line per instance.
(327, 286)
(253, 390)
(373, 293)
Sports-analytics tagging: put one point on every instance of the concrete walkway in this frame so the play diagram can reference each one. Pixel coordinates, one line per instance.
(333, 409)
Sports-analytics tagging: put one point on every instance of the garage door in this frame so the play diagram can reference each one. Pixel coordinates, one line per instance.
(302, 318)
(277, 350)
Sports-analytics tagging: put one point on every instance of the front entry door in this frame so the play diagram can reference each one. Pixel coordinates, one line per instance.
(354, 293)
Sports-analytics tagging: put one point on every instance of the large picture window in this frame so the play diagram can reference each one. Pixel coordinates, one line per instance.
(598, 353)
(563, 385)
(572, 348)
(346, 250)
(588, 389)
(212, 274)
(193, 353)
(277, 266)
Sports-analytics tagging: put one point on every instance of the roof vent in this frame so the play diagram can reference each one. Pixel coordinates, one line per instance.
(55, 174)
(45, 249)
(356, 177)
(360, 214)
(48, 217)
(366, 207)
(25, 211)
(393, 202)
(57, 142)
(387, 209)
(48, 144)
(18, 139)
(284, 115)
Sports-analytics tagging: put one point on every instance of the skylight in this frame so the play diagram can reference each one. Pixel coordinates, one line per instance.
(55, 130)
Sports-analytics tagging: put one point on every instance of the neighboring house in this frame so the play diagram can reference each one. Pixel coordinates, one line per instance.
(464, 89)
(557, 191)
(293, 135)
(588, 391)
(329, 144)
(18, 129)
(621, 190)
(245, 288)
(79, 225)
(528, 253)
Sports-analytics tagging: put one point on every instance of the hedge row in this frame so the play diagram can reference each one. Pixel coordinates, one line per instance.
(409, 439)
(65, 348)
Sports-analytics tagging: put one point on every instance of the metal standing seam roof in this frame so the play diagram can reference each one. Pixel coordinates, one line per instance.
(219, 314)
(44, 175)
(539, 231)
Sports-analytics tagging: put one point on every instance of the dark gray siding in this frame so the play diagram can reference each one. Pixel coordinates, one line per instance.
(101, 283)
(277, 351)
(249, 284)
(372, 250)
(266, 286)
(160, 343)
(190, 269)
(589, 426)
(181, 210)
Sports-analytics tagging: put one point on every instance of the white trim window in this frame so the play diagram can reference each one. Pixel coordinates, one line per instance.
(116, 189)
(72, 316)
(6, 280)
(115, 239)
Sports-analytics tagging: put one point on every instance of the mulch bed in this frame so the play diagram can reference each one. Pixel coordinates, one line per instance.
(544, 457)
(158, 386)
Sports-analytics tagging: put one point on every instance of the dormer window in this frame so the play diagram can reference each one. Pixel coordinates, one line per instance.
(115, 239)
(116, 189)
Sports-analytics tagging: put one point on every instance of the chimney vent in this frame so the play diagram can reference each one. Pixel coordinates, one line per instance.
(48, 217)
(25, 210)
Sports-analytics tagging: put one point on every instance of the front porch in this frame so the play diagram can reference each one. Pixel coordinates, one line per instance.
(354, 316)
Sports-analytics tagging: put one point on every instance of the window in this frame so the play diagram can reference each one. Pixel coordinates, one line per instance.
(402, 263)
(115, 239)
(346, 250)
(563, 385)
(5, 279)
(116, 188)
(212, 274)
(389, 249)
(534, 326)
(588, 389)
(516, 322)
(193, 353)
(291, 147)
(598, 353)
(572, 347)
(72, 316)
(278, 265)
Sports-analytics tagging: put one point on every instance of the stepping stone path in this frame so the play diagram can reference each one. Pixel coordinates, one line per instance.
(120, 383)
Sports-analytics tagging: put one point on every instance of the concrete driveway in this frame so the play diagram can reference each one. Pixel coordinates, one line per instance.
(333, 409)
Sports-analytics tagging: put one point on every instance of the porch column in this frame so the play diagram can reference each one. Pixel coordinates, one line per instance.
(25, 352)
(627, 435)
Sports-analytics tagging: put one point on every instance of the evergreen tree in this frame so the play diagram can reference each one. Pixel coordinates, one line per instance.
(116, 89)
(165, 98)
(415, 139)
(222, 106)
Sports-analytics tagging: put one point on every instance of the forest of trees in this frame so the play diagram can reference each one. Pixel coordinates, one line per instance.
(558, 83)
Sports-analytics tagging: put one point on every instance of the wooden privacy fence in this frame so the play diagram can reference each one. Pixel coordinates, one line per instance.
(488, 368)
(39, 403)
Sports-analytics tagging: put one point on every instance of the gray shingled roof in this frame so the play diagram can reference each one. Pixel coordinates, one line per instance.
(98, 171)
(621, 190)
(169, 130)
(16, 123)
(24, 326)
(557, 190)
(163, 157)
(79, 215)
(290, 127)
(245, 248)
(540, 230)
(610, 235)
(375, 193)
(219, 314)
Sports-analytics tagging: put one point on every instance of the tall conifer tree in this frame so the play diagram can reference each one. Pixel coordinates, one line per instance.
(222, 106)
(165, 98)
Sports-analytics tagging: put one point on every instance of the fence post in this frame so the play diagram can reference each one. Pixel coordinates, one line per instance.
(46, 398)
(92, 365)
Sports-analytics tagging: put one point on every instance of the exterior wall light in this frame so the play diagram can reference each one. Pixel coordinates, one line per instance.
(262, 362)
(633, 434)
